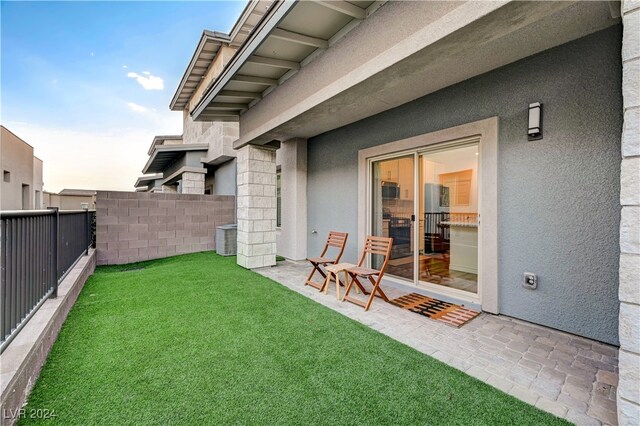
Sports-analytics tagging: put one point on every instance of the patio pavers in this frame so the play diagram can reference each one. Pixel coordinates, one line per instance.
(569, 376)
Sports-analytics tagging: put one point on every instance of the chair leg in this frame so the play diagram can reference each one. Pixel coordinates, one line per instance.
(325, 285)
(316, 267)
(346, 280)
(313, 271)
(349, 284)
(370, 300)
(376, 287)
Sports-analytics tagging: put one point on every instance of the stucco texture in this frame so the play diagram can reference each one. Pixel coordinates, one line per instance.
(558, 200)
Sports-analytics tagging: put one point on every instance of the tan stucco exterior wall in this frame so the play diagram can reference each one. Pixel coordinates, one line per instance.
(20, 178)
(218, 135)
(38, 184)
(194, 132)
(69, 202)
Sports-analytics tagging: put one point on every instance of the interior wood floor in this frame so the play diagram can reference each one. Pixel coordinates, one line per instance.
(435, 271)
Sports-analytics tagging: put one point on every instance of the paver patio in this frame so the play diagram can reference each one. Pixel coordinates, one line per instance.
(567, 375)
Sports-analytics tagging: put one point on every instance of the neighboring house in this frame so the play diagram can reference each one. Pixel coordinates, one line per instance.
(202, 160)
(149, 183)
(21, 174)
(422, 121)
(71, 199)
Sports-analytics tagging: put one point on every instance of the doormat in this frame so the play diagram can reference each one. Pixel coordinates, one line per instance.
(447, 313)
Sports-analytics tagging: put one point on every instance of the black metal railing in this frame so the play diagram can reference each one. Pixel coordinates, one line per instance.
(436, 235)
(38, 249)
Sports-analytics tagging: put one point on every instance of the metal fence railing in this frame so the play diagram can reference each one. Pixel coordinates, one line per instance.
(38, 248)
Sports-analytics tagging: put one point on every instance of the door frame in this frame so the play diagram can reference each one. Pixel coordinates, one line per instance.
(486, 132)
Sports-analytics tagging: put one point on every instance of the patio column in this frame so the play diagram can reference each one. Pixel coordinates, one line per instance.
(629, 294)
(256, 168)
(291, 236)
(192, 183)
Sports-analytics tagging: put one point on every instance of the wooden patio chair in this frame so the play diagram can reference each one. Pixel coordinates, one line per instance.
(335, 239)
(373, 245)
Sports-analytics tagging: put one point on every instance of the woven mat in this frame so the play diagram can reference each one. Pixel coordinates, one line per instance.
(448, 313)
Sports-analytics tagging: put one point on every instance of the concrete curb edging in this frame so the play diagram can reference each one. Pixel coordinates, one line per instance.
(21, 362)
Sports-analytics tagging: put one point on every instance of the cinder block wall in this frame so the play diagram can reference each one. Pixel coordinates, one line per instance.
(136, 226)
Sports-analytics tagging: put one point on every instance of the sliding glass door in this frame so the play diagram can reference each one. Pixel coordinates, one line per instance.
(448, 211)
(393, 211)
(427, 201)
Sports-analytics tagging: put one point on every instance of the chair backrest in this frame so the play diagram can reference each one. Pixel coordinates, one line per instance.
(377, 245)
(338, 240)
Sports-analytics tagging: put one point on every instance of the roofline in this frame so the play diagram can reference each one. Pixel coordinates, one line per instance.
(177, 148)
(269, 21)
(148, 178)
(206, 36)
(246, 12)
(19, 138)
(162, 138)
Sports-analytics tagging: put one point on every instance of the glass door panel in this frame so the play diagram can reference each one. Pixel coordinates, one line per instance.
(393, 192)
(448, 217)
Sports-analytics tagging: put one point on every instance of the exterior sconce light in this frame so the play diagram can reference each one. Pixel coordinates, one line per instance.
(534, 132)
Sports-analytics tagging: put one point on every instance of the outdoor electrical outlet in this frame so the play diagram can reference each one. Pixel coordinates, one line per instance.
(530, 281)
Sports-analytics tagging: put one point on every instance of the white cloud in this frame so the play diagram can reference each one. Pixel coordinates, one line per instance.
(148, 81)
(124, 66)
(135, 107)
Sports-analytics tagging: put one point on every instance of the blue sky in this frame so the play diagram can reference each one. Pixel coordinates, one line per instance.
(88, 84)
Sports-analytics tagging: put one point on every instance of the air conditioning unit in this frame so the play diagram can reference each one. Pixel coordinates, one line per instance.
(226, 240)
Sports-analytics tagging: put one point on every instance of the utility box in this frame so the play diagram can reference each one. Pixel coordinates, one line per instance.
(226, 240)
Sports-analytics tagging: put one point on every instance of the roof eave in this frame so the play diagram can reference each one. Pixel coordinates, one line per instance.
(173, 148)
(162, 138)
(272, 18)
(206, 36)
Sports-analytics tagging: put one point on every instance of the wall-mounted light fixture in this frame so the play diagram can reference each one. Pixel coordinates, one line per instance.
(534, 132)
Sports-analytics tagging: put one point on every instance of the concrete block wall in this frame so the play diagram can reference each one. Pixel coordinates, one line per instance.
(137, 226)
(629, 290)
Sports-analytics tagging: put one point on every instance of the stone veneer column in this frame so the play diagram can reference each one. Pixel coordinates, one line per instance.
(629, 291)
(192, 183)
(256, 168)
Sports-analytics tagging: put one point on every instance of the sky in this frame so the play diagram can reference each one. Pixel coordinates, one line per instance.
(88, 84)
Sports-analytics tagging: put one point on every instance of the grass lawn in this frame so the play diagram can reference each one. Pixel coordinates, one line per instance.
(196, 339)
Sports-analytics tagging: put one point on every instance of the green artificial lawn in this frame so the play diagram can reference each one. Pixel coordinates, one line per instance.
(196, 339)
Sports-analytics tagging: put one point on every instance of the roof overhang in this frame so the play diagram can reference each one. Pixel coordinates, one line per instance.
(203, 57)
(174, 177)
(161, 140)
(165, 155)
(472, 39)
(145, 180)
(289, 36)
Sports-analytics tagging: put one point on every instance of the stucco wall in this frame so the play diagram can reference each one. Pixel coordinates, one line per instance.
(224, 182)
(558, 198)
(38, 184)
(136, 226)
(17, 159)
(291, 236)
